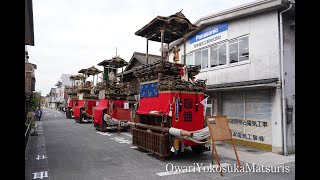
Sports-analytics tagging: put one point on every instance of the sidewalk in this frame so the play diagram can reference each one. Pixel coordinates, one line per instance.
(36, 162)
(253, 155)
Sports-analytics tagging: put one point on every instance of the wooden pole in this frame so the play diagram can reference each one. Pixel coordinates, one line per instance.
(184, 49)
(147, 54)
(92, 79)
(122, 73)
(168, 52)
(162, 38)
(235, 151)
(215, 151)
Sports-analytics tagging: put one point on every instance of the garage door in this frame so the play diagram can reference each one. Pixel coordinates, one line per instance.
(249, 114)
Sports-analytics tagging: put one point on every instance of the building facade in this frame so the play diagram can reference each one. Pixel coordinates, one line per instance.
(53, 98)
(247, 56)
(30, 81)
(62, 87)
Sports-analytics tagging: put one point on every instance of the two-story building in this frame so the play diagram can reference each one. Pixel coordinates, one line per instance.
(247, 56)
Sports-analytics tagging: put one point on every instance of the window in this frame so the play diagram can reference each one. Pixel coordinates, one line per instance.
(204, 59)
(189, 59)
(239, 49)
(201, 58)
(244, 48)
(181, 59)
(197, 58)
(222, 53)
(209, 110)
(233, 51)
(214, 56)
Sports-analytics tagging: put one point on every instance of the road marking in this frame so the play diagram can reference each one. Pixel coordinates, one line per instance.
(41, 146)
(127, 134)
(121, 140)
(40, 175)
(41, 157)
(134, 147)
(202, 169)
(104, 133)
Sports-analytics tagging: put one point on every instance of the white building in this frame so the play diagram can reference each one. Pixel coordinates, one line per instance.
(63, 85)
(247, 56)
(52, 98)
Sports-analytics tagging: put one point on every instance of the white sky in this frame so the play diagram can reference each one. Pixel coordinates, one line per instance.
(75, 34)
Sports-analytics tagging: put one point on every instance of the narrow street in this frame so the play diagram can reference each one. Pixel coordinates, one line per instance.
(65, 150)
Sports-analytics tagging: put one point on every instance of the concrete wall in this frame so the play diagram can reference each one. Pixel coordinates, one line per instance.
(289, 76)
(276, 121)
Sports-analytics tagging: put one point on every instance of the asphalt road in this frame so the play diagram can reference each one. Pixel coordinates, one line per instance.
(66, 150)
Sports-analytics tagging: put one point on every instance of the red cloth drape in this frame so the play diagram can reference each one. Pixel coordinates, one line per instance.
(123, 114)
(73, 102)
(91, 103)
(70, 103)
(103, 104)
(81, 104)
(76, 112)
(160, 104)
(197, 121)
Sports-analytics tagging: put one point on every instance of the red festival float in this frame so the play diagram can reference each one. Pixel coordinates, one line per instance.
(87, 97)
(113, 111)
(171, 104)
(73, 95)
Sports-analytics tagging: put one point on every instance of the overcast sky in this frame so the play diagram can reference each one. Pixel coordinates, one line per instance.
(75, 34)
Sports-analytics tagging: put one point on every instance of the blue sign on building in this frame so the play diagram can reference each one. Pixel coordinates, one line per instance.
(208, 32)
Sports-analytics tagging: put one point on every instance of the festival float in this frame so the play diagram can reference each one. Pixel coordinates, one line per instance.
(171, 104)
(73, 95)
(88, 97)
(113, 110)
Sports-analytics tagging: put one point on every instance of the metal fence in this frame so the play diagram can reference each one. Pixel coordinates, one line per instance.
(27, 133)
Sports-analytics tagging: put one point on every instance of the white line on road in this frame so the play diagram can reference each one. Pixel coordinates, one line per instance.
(41, 157)
(104, 133)
(202, 169)
(40, 175)
(121, 140)
(127, 134)
(134, 147)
